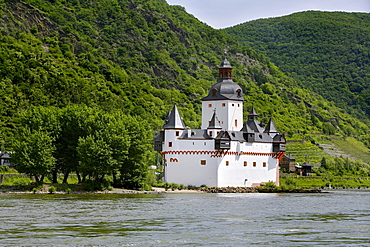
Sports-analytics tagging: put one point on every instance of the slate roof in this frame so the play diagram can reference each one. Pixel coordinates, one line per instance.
(262, 137)
(225, 64)
(200, 134)
(174, 120)
(253, 114)
(254, 125)
(271, 128)
(231, 135)
(214, 123)
(246, 128)
(225, 89)
(279, 138)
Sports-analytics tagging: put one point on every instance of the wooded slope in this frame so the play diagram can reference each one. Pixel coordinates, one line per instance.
(141, 56)
(328, 52)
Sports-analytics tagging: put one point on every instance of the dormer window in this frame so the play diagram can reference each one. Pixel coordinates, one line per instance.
(214, 91)
(239, 92)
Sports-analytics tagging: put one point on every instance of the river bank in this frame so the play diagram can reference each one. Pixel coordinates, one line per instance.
(155, 190)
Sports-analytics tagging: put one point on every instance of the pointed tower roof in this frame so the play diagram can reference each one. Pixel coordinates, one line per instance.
(253, 112)
(271, 128)
(225, 88)
(215, 123)
(247, 129)
(174, 120)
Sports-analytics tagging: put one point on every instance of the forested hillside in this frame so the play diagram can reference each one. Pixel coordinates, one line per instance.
(328, 52)
(82, 65)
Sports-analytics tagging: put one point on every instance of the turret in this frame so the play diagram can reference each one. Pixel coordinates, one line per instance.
(226, 98)
(173, 120)
(214, 126)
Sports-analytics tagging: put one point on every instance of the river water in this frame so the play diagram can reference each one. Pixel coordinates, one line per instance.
(338, 218)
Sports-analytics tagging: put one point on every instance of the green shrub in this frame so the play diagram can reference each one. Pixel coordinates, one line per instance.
(174, 186)
(166, 186)
(191, 187)
(270, 185)
(52, 189)
(181, 187)
(146, 187)
(16, 181)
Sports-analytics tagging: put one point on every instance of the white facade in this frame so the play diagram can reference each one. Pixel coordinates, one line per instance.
(198, 163)
(229, 113)
(224, 151)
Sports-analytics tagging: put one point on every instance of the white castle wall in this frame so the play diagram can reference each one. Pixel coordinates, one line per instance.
(184, 164)
(187, 168)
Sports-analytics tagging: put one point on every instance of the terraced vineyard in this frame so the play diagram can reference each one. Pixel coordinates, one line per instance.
(305, 151)
(328, 146)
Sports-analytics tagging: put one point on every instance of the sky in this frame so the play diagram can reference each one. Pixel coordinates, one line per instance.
(227, 13)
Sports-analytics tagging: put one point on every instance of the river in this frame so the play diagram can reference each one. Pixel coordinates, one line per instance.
(337, 218)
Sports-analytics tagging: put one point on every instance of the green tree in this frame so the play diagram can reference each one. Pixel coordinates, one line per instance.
(33, 154)
(135, 166)
(96, 158)
(45, 120)
(106, 146)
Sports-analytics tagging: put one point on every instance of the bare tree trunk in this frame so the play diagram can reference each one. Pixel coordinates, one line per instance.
(78, 177)
(65, 178)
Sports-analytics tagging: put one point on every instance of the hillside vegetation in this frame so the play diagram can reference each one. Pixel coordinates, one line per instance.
(134, 58)
(328, 52)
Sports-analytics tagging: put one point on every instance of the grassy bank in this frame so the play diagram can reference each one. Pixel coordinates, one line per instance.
(325, 182)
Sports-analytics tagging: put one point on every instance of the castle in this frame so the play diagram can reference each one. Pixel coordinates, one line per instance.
(224, 151)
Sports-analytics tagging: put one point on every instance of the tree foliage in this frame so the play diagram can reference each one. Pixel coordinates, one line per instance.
(33, 154)
(327, 52)
(86, 141)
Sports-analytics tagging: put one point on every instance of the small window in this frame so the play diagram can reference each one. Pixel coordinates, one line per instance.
(205, 143)
(203, 162)
(210, 133)
(239, 92)
(245, 163)
(254, 164)
(236, 123)
(264, 164)
(223, 104)
(170, 144)
(238, 105)
(177, 133)
(227, 163)
(214, 92)
(232, 105)
(209, 105)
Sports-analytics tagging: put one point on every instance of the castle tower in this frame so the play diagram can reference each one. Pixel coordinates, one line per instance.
(225, 98)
